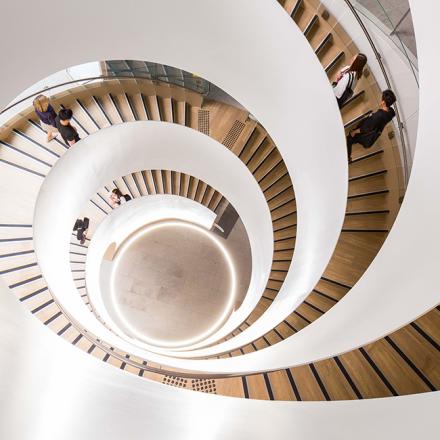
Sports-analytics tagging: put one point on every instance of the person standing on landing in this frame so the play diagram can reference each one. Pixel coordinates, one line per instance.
(369, 130)
(67, 131)
(347, 78)
(47, 115)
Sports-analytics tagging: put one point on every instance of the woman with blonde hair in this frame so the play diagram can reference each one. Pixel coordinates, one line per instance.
(47, 116)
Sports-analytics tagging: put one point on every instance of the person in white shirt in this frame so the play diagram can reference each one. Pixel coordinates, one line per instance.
(347, 78)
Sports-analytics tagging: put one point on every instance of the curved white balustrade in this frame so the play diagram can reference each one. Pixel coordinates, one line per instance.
(137, 146)
(51, 390)
(263, 64)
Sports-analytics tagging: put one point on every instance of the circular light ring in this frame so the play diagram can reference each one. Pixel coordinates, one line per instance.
(231, 290)
(120, 223)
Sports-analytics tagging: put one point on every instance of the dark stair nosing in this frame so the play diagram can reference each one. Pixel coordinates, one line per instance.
(187, 114)
(42, 306)
(370, 193)
(366, 156)
(28, 280)
(77, 253)
(173, 110)
(144, 103)
(25, 136)
(124, 178)
(357, 119)
(131, 107)
(310, 25)
(104, 200)
(353, 98)
(20, 167)
(14, 269)
(24, 153)
(136, 183)
(272, 167)
(410, 363)
(78, 244)
(39, 127)
(53, 318)
(268, 386)
(326, 40)
(15, 225)
(293, 225)
(283, 204)
(15, 254)
(32, 294)
(363, 230)
(338, 283)
(280, 192)
(348, 377)
(283, 216)
(115, 105)
(247, 140)
(325, 295)
(335, 61)
(159, 109)
(296, 8)
(293, 385)
(426, 336)
(367, 175)
(86, 111)
(7, 240)
(103, 210)
(319, 381)
(99, 104)
(377, 211)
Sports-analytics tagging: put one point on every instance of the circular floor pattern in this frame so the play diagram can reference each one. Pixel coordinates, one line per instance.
(172, 284)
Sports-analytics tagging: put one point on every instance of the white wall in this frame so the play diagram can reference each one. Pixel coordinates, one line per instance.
(51, 390)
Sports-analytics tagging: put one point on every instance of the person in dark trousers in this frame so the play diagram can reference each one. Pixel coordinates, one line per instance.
(67, 131)
(81, 227)
(369, 130)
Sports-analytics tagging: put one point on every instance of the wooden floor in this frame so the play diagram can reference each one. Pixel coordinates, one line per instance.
(406, 361)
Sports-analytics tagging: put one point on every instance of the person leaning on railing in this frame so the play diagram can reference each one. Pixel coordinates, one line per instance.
(369, 130)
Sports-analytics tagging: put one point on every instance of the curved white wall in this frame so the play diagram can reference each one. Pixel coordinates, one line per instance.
(51, 390)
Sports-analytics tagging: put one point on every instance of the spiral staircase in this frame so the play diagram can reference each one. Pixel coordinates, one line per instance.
(341, 303)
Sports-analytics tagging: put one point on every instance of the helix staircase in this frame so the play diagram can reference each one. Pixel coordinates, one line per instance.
(401, 363)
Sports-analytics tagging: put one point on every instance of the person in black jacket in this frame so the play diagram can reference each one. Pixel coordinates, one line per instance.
(81, 227)
(68, 132)
(371, 128)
